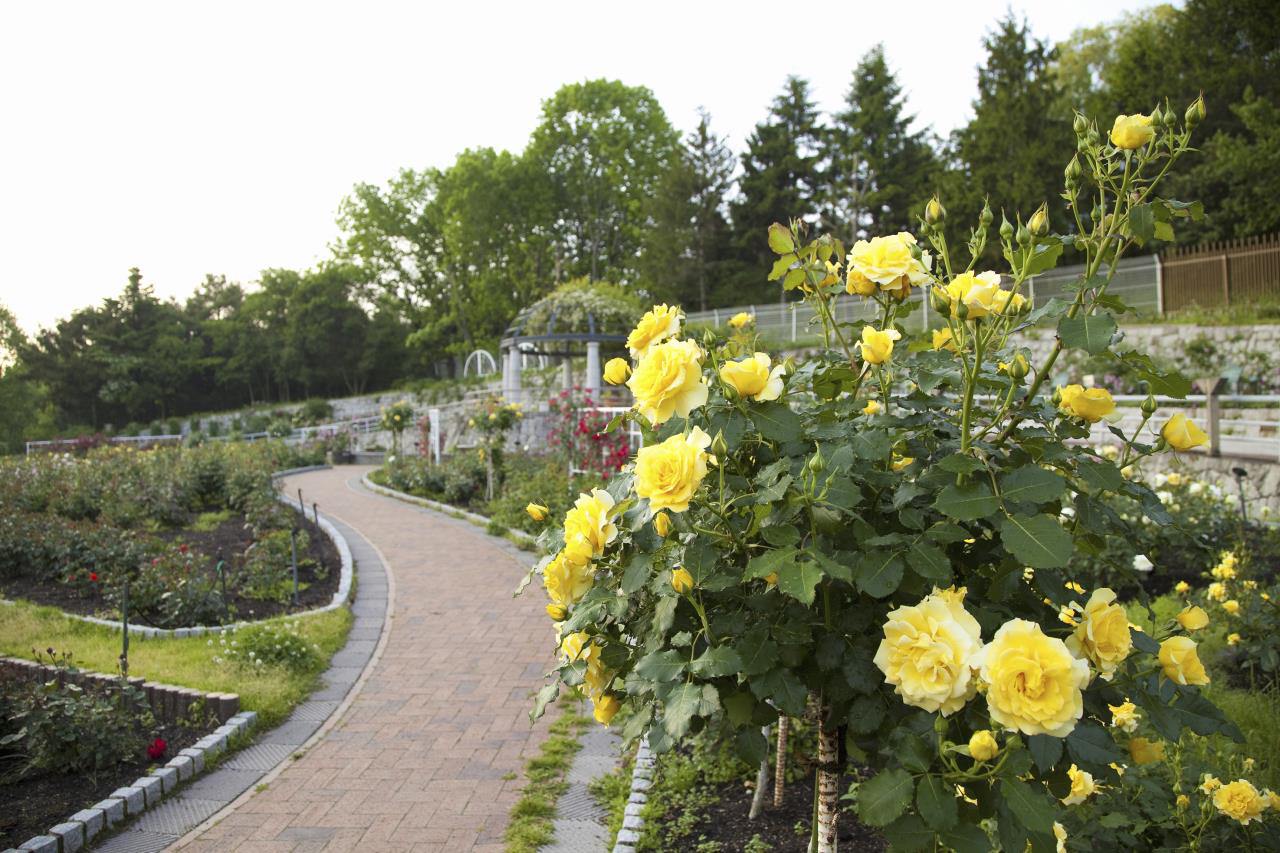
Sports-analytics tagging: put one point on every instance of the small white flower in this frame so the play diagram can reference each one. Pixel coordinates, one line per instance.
(1141, 563)
(1068, 512)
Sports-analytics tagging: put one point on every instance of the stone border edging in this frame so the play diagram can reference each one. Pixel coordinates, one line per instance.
(641, 781)
(339, 598)
(473, 517)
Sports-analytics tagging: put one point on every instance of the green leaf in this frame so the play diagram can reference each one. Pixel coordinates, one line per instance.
(1091, 333)
(763, 565)
(1032, 808)
(700, 558)
(757, 652)
(661, 666)
(776, 422)
(546, 694)
(715, 662)
(1037, 540)
(967, 838)
(664, 614)
(794, 279)
(1203, 717)
(1045, 751)
(1090, 744)
(798, 581)
(1142, 223)
(937, 802)
(1045, 257)
(637, 572)
(1032, 484)
(882, 799)
(968, 502)
(780, 239)
(739, 707)
(908, 834)
(752, 746)
(871, 444)
(786, 691)
(1100, 476)
(684, 703)
(930, 563)
(880, 573)
(780, 266)
(960, 463)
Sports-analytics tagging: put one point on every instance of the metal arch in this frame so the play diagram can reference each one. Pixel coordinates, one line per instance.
(483, 361)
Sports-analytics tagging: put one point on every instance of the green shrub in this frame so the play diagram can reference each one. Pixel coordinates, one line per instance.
(312, 412)
(270, 644)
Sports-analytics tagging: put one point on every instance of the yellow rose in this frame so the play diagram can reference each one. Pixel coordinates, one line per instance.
(1131, 132)
(1240, 801)
(1059, 836)
(883, 260)
(597, 676)
(1233, 639)
(1193, 618)
(1125, 716)
(1231, 606)
(1182, 433)
(604, 708)
(662, 524)
(1144, 751)
(858, 284)
(1182, 802)
(926, 653)
(668, 474)
(876, 346)
(741, 320)
(977, 291)
(898, 462)
(658, 324)
(1209, 784)
(1006, 302)
(1091, 404)
(1082, 786)
(1273, 798)
(872, 407)
(1102, 634)
(1182, 587)
(566, 579)
(537, 512)
(577, 647)
(616, 371)
(942, 339)
(557, 612)
(1033, 681)
(1180, 661)
(668, 381)
(589, 519)
(752, 377)
(681, 581)
(983, 746)
(1217, 591)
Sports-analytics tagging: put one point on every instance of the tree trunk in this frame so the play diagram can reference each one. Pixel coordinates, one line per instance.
(828, 781)
(762, 780)
(780, 763)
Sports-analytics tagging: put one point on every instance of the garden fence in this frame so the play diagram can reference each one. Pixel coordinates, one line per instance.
(1218, 274)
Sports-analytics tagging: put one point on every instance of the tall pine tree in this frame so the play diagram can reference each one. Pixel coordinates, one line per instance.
(880, 172)
(781, 178)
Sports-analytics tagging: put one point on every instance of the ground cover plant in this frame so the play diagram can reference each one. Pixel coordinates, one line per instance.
(886, 531)
(195, 535)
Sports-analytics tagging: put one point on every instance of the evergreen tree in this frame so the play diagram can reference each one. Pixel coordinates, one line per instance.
(879, 171)
(781, 178)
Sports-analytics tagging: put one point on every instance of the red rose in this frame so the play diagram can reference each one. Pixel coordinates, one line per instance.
(93, 577)
(183, 547)
(156, 750)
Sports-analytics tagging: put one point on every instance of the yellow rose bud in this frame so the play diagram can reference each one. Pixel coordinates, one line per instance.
(1059, 836)
(668, 381)
(1182, 802)
(1182, 433)
(741, 320)
(557, 612)
(1193, 618)
(1240, 801)
(771, 579)
(1034, 683)
(669, 473)
(537, 512)
(1182, 587)
(1038, 224)
(662, 524)
(1233, 639)
(752, 377)
(657, 325)
(1090, 404)
(1181, 663)
(1102, 634)
(983, 746)
(616, 371)
(1231, 606)
(604, 708)
(900, 462)
(876, 346)
(1125, 716)
(1082, 786)
(1144, 751)
(681, 581)
(934, 212)
(1131, 132)
(1209, 784)
(942, 339)
(872, 407)
(926, 652)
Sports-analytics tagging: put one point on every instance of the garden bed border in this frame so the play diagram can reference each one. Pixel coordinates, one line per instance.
(519, 536)
(339, 598)
(637, 797)
(148, 790)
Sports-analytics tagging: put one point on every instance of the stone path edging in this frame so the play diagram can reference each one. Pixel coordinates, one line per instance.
(473, 517)
(207, 800)
(641, 781)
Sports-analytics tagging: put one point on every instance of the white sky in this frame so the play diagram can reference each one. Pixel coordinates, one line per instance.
(219, 137)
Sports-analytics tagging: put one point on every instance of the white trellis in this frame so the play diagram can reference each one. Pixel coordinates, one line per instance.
(482, 362)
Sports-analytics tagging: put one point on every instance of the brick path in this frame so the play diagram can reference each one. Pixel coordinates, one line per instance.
(417, 762)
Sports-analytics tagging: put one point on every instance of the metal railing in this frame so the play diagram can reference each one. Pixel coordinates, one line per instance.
(358, 426)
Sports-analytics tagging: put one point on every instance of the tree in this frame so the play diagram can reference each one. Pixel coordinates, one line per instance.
(25, 412)
(1019, 136)
(781, 177)
(325, 332)
(1242, 172)
(879, 170)
(687, 243)
(605, 147)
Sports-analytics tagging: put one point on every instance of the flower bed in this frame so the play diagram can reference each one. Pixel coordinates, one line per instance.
(196, 536)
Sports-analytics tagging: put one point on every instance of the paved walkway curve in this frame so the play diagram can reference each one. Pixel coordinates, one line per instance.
(429, 754)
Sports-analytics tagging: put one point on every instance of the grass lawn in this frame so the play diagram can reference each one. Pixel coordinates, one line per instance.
(188, 662)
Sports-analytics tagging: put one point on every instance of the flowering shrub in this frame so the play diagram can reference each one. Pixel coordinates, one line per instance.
(578, 435)
(492, 420)
(396, 418)
(172, 589)
(270, 644)
(1247, 608)
(875, 536)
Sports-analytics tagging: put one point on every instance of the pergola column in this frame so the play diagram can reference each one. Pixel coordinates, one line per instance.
(514, 365)
(592, 381)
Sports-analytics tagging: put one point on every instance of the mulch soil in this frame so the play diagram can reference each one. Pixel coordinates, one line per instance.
(726, 821)
(230, 539)
(31, 806)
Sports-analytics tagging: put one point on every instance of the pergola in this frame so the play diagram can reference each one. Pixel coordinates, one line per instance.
(521, 340)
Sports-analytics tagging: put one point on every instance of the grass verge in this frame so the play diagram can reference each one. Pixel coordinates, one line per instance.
(531, 816)
(188, 662)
